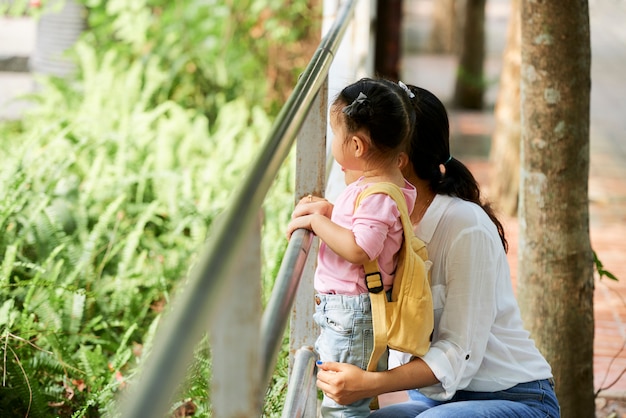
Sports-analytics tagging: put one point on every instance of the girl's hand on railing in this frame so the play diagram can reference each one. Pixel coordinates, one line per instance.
(313, 205)
(308, 207)
(299, 222)
(344, 383)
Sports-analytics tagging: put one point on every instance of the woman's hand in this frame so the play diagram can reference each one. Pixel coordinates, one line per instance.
(345, 383)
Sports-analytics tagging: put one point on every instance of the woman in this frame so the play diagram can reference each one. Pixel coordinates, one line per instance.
(482, 362)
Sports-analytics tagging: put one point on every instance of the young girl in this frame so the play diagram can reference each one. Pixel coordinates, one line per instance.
(372, 122)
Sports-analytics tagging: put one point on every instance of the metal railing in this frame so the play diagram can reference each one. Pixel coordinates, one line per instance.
(231, 259)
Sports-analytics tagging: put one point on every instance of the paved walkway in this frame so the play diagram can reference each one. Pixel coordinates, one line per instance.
(607, 183)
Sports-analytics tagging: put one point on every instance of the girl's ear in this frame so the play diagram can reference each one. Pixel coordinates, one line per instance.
(359, 146)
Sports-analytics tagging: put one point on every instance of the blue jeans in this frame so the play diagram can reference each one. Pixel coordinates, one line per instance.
(346, 336)
(526, 400)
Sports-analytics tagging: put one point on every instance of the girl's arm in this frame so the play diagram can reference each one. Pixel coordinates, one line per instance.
(308, 205)
(339, 239)
(313, 204)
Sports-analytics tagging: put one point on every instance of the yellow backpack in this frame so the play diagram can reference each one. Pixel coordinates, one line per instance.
(406, 322)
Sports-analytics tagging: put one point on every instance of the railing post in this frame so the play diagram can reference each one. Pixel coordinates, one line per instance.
(310, 178)
(236, 388)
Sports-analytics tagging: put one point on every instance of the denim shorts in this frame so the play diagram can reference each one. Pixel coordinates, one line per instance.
(346, 336)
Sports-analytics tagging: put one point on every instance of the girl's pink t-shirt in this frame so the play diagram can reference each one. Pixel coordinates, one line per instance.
(377, 229)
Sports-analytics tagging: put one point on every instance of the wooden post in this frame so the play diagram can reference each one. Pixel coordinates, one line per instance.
(388, 35)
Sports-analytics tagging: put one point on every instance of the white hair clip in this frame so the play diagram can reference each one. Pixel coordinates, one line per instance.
(405, 88)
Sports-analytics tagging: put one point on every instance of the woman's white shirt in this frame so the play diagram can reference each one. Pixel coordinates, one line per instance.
(479, 342)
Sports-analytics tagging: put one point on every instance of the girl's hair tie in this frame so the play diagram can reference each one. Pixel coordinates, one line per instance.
(351, 109)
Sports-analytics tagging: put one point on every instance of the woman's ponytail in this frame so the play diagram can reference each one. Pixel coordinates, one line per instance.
(430, 156)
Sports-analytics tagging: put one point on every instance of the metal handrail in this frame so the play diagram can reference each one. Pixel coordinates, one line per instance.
(192, 311)
(276, 313)
(301, 383)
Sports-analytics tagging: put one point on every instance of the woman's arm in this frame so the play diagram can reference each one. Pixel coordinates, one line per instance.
(345, 383)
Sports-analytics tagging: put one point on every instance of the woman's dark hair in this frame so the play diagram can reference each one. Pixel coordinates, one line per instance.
(382, 108)
(430, 148)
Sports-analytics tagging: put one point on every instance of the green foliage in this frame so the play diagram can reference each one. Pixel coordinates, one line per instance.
(111, 181)
(14, 8)
(277, 389)
(601, 270)
(195, 390)
(198, 43)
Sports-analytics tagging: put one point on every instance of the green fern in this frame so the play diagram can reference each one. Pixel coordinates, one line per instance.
(132, 240)
(108, 194)
(195, 388)
(91, 246)
(7, 265)
(21, 394)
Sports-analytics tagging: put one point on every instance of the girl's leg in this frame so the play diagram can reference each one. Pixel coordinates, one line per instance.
(345, 324)
(331, 409)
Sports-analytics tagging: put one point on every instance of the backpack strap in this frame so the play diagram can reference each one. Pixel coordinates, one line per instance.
(373, 278)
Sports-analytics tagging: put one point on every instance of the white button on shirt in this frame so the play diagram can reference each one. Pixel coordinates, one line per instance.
(479, 343)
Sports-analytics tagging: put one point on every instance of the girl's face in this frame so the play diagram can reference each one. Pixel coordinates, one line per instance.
(339, 136)
(341, 149)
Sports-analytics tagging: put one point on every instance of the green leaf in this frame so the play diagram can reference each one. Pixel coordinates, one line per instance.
(600, 268)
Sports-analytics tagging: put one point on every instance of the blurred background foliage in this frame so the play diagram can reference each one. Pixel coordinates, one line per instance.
(213, 51)
(111, 181)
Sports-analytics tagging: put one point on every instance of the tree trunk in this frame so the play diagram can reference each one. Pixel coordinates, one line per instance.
(388, 29)
(556, 262)
(505, 143)
(445, 34)
(470, 85)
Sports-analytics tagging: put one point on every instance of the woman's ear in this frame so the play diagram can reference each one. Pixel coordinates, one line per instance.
(403, 161)
(405, 166)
